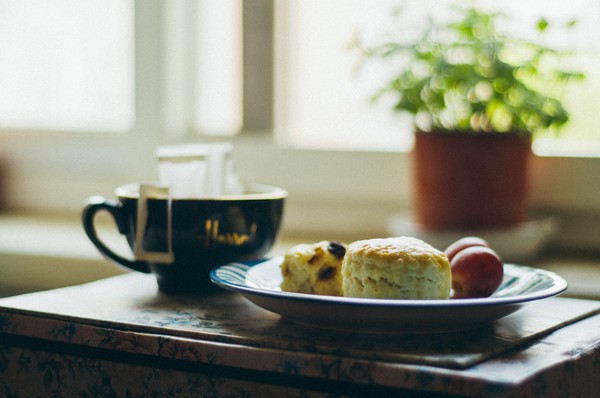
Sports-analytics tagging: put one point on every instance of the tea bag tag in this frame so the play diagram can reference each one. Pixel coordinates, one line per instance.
(153, 192)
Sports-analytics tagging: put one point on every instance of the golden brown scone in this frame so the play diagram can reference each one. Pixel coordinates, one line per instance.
(314, 268)
(396, 268)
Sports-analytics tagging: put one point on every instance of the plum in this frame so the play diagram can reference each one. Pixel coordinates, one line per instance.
(477, 271)
(463, 243)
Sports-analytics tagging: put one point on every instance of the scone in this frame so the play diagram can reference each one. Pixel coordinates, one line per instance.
(314, 268)
(395, 268)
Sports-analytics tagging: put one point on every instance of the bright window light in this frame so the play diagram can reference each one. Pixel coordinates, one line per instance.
(67, 65)
(218, 88)
(322, 99)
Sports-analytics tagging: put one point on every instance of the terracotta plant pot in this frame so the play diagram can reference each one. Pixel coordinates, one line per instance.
(470, 181)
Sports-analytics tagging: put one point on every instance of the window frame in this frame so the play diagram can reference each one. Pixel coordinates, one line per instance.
(332, 193)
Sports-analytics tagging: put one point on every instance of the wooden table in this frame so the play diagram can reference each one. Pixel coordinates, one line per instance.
(121, 337)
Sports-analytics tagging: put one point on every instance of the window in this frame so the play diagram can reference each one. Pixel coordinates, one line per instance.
(144, 68)
(218, 67)
(324, 100)
(66, 65)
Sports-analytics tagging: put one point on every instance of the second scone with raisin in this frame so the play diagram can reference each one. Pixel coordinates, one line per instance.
(314, 268)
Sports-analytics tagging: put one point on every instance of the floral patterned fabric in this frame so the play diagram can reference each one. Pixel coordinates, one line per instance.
(40, 373)
(126, 315)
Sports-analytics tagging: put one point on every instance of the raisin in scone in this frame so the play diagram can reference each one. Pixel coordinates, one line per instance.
(314, 268)
(395, 268)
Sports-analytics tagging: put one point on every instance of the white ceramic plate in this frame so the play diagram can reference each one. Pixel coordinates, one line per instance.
(259, 281)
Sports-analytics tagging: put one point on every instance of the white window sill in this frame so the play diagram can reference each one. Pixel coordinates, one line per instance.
(41, 253)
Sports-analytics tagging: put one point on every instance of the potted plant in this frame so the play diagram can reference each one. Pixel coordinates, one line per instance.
(476, 96)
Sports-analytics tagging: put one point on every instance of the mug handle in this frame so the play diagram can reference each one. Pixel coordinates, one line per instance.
(96, 204)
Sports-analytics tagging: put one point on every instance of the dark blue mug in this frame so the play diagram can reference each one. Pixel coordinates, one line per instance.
(181, 240)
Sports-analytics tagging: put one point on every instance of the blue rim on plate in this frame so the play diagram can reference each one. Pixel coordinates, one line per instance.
(259, 281)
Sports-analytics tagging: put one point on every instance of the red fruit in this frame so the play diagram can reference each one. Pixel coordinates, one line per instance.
(463, 243)
(476, 272)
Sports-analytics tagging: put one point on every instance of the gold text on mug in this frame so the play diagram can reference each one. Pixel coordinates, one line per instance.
(212, 236)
